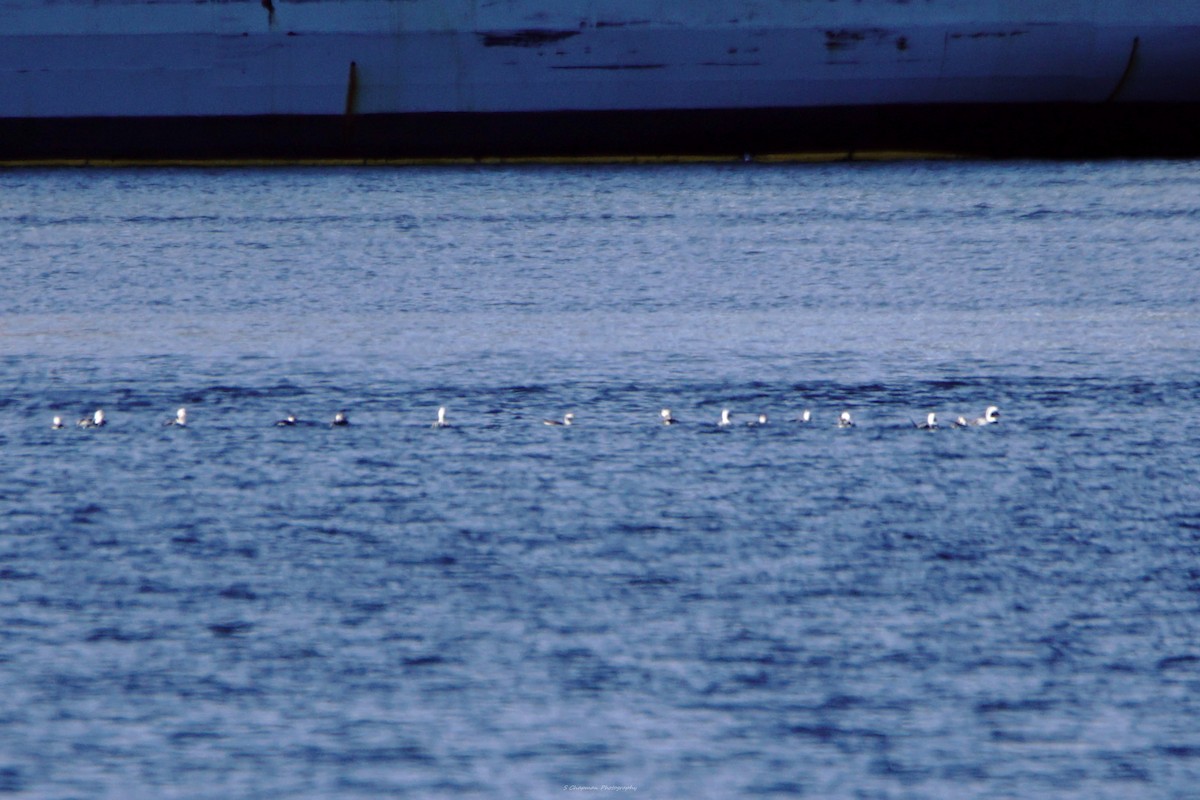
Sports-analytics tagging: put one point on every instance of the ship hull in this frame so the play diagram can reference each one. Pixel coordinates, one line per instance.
(419, 79)
(849, 132)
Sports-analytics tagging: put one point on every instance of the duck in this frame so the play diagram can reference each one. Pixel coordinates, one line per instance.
(56, 423)
(96, 420)
(844, 420)
(441, 422)
(565, 422)
(287, 421)
(805, 417)
(180, 419)
(930, 423)
(340, 420)
(990, 417)
(762, 420)
(667, 419)
(725, 421)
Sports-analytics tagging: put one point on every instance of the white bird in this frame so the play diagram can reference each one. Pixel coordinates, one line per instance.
(57, 423)
(96, 420)
(666, 417)
(566, 421)
(180, 419)
(340, 420)
(930, 423)
(441, 419)
(725, 420)
(805, 416)
(844, 420)
(990, 417)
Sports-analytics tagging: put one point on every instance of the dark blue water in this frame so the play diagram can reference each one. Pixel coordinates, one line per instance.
(506, 609)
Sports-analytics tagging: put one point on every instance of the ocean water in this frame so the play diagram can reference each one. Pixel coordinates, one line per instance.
(506, 609)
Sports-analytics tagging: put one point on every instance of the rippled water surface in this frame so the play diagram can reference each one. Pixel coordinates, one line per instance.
(502, 608)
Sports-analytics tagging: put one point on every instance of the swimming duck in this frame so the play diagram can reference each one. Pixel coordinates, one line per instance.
(180, 419)
(287, 421)
(340, 420)
(725, 420)
(56, 423)
(566, 421)
(990, 417)
(844, 420)
(667, 419)
(96, 420)
(930, 423)
(805, 416)
(441, 419)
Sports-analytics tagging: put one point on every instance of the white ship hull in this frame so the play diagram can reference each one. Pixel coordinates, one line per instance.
(443, 78)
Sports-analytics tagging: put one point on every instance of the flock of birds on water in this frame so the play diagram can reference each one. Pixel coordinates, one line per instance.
(990, 417)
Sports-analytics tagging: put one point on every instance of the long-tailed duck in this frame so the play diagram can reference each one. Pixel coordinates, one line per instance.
(96, 420)
(990, 417)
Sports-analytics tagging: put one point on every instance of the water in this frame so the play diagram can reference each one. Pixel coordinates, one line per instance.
(507, 609)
